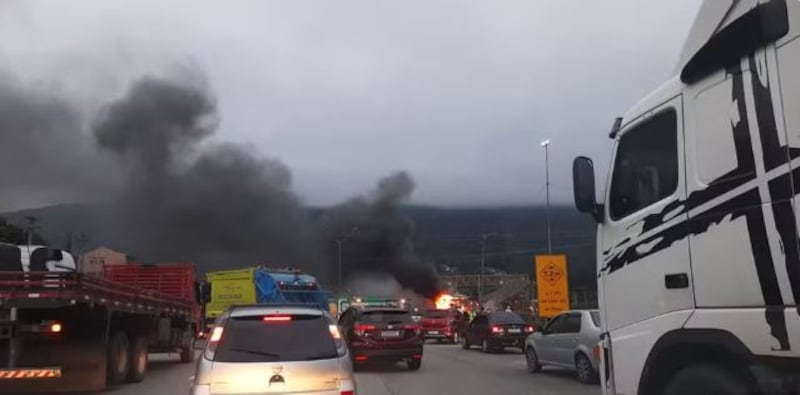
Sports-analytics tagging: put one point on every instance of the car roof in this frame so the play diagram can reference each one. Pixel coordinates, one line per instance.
(292, 309)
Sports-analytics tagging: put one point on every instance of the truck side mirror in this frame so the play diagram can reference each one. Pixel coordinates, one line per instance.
(583, 187)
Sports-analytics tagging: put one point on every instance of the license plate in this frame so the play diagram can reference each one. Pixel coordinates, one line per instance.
(515, 330)
(390, 334)
(433, 332)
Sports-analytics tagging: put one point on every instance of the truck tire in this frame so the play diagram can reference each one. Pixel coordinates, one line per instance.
(705, 379)
(187, 353)
(138, 361)
(118, 360)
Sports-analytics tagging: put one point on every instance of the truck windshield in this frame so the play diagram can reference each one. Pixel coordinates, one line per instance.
(300, 338)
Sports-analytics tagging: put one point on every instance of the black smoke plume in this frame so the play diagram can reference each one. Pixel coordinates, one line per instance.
(222, 204)
(376, 237)
(44, 155)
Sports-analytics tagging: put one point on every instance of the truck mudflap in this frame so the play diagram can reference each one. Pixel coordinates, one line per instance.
(35, 373)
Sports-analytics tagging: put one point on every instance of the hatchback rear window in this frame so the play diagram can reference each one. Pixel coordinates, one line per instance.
(385, 316)
(294, 338)
(505, 318)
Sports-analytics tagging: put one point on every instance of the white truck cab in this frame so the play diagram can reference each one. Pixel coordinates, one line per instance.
(698, 256)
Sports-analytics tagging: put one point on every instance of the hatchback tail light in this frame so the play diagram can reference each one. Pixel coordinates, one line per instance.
(348, 392)
(497, 329)
(529, 329)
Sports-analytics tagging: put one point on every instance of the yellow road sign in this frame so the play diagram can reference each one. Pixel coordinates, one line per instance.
(552, 284)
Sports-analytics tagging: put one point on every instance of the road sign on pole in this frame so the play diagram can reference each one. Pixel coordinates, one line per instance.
(552, 284)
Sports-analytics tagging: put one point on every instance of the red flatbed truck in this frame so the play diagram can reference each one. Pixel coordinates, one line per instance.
(67, 331)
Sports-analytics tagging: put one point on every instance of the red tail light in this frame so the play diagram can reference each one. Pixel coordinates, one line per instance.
(55, 327)
(497, 329)
(349, 392)
(277, 318)
(413, 327)
(596, 352)
(528, 329)
(361, 358)
(361, 329)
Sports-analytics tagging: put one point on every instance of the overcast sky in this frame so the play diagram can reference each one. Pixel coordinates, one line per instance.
(458, 93)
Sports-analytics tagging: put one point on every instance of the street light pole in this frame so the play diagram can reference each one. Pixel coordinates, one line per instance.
(483, 265)
(546, 145)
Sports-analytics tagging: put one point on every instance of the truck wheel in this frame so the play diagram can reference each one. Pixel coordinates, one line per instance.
(187, 353)
(705, 379)
(118, 361)
(138, 362)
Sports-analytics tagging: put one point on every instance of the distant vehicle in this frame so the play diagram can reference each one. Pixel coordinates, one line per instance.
(276, 349)
(261, 285)
(442, 325)
(496, 331)
(570, 340)
(61, 330)
(698, 260)
(382, 334)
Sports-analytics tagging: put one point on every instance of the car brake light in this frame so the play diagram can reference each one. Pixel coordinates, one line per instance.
(348, 392)
(497, 329)
(596, 352)
(361, 358)
(277, 318)
(55, 327)
(529, 329)
(216, 335)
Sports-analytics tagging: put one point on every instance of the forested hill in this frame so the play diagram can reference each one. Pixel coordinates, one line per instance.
(449, 238)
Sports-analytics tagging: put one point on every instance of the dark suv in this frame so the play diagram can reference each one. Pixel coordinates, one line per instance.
(382, 334)
(496, 331)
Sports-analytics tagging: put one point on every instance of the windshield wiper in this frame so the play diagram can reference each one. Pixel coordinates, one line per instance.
(254, 352)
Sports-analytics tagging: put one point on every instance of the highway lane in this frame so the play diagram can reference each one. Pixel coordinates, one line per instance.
(446, 369)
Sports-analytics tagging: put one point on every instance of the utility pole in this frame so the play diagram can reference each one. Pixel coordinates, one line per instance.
(546, 145)
(483, 265)
(339, 242)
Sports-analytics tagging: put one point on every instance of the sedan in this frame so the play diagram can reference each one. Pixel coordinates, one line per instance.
(570, 340)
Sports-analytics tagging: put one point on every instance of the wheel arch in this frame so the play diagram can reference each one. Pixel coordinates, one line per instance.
(677, 348)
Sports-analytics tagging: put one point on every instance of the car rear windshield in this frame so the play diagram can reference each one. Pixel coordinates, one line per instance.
(595, 318)
(436, 314)
(252, 339)
(505, 318)
(385, 316)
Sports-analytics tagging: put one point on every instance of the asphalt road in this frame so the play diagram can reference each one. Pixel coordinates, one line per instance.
(446, 369)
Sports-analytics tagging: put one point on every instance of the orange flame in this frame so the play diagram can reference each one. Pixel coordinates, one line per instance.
(443, 301)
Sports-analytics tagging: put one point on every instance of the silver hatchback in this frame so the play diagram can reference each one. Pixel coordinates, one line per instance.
(570, 340)
(275, 350)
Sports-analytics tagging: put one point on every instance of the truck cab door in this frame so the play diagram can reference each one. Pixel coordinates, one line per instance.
(644, 268)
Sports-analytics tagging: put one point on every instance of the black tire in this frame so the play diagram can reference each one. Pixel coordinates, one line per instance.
(465, 343)
(532, 361)
(584, 369)
(706, 379)
(118, 360)
(414, 364)
(138, 360)
(187, 353)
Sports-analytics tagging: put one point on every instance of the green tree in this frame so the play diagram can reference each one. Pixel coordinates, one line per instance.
(10, 233)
